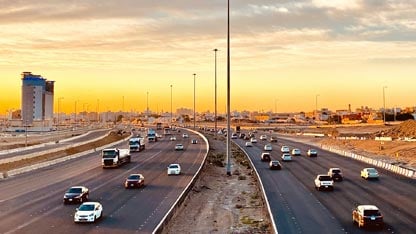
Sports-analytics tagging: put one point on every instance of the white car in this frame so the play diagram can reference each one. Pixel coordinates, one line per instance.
(312, 153)
(296, 152)
(286, 157)
(172, 138)
(263, 137)
(285, 149)
(174, 169)
(249, 144)
(88, 212)
(369, 173)
(178, 147)
(268, 147)
(253, 140)
(234, 136)
(185, 135)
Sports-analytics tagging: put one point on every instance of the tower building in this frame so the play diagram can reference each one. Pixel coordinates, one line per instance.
(37, 98)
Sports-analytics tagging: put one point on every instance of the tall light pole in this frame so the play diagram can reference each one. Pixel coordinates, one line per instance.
(147, 105)
(98, 110)
(316, 106)
(75, 119)
(59, 109)
(171, 113)
(384, 104)
(215, 114)
(194, 99)
(228, 93)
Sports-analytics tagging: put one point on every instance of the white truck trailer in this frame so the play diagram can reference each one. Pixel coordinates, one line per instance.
(114, 157)
(136, 144)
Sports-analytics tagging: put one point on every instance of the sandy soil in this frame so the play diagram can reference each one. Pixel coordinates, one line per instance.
(220, 203)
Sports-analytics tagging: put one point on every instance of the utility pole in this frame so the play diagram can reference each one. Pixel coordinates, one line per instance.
(228, 93)
(194, 100)
(215, 114)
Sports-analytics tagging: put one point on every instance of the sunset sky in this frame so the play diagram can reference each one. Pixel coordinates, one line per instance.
(283, 53)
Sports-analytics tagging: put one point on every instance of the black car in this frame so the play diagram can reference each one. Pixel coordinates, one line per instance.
(275, 165)
(265, 157)
(242, 135)
(134, 181)
(76, 194)
(335, 174)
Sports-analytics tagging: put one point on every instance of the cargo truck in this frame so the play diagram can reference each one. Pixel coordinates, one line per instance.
(136, 144)
(114, 157)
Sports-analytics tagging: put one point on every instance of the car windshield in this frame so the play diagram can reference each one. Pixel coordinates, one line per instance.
(372, 170)
(371, 213)
(173, 166)
(134, 142)
(336, 171)
(86, 207)
(324, 178)
(275, 163)
(133, 177)
(74, 190)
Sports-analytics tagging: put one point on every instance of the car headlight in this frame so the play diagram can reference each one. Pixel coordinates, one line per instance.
(76, 215)
(90, 215)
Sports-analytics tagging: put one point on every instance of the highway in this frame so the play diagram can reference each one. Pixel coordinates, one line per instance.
(32, 202)
(298, 208)
(69, 141)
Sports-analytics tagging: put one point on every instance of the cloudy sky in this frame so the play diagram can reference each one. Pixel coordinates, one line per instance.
(283, 53)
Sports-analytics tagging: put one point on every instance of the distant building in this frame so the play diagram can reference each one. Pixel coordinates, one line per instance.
(37, 98)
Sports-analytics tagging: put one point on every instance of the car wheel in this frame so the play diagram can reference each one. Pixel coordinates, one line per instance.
(95, 217)
(86, 197)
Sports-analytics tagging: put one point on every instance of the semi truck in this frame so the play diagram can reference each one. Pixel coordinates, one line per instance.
(158, 126)
(151, 135)
(136, 144)
(166, 130)
(114, 157)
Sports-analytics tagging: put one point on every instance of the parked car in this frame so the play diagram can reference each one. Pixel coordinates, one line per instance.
(178, 147)
(134, 181)
(263, 137)
(253, 140)
(335, 174)
(172, 138)
(286, 157)
(174, 169)
(249, 144)
(268, 147)
(265, 157)
(194, 141)
(285, 149)
(296, 152)
(312, 153)
(88, 212)
(369, 173)
(76, 194)
(275, 165)
(234, 136)
(242, 135)
(367, 216)
(324, 182)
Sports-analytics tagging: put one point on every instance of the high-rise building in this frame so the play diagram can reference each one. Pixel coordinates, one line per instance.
(37, 98)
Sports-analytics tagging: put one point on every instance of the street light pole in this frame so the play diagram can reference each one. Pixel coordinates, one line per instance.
(316, 106)
(215, 114)
(59, 109)
(228, 93)
(194, 99)
(384, 105)
(147, 105)
(171, 115)
(75, 119)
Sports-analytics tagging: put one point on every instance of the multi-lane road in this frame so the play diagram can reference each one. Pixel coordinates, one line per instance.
(298, 208)
(32, 202)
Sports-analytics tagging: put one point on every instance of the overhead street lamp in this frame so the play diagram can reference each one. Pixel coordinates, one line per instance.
(59, 110)
(215, 114)
(384, 105)
(316, 106)
(171, 115)
(194, 99)
(228, 93)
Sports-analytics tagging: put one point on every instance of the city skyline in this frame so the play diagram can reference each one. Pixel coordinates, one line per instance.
(283, 54)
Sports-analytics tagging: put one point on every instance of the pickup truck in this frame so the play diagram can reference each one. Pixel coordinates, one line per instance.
(324, 182)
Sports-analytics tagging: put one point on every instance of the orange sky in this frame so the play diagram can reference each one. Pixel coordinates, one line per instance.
(283, 54)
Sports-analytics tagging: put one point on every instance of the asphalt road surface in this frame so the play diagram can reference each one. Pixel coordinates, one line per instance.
(298, 208)
(32, 202)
